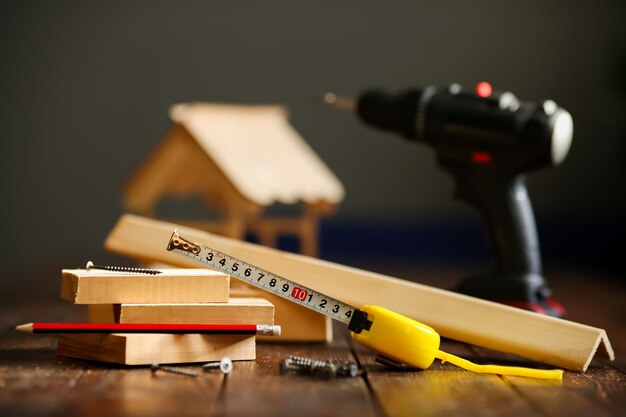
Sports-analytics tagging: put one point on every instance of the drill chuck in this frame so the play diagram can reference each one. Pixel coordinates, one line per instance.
(462, 123)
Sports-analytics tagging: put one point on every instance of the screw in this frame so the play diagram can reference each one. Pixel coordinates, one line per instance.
(327, 370)
(225, 365)
(172, 369)
(299, 364)
(348, 369)
(130, 269)
(290, 364)
(320, 368)
(302, 365)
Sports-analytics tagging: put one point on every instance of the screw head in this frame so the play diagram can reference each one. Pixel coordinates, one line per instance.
(226, 365)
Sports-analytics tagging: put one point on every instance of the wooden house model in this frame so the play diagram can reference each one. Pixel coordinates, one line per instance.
(238, 160)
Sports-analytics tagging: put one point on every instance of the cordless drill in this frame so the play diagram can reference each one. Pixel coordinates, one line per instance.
(487, 140)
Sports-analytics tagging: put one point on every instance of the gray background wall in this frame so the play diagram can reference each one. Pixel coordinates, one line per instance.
(85, 87)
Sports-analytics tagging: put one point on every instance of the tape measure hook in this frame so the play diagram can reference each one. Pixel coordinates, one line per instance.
(182, 244)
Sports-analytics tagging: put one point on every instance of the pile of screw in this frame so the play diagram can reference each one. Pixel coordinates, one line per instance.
(319, 368)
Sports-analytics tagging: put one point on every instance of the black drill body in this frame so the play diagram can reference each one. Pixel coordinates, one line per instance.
(487, 141)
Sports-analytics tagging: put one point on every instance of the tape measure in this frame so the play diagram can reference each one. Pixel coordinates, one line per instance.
(396, 338)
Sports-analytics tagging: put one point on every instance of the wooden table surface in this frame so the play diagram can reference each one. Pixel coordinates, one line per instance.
(35, 382)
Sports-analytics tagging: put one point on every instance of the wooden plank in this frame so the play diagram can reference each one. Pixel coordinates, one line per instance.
(144, 349)
(31, 382)
(607, 387)
(171, 286)
(238, 310)
(545, 339)
(577, 395)
(106, 391)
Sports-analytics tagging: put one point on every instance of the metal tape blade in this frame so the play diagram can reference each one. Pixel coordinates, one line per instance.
(262, 278)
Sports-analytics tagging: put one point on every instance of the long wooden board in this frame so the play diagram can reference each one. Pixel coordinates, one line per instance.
(545, 339)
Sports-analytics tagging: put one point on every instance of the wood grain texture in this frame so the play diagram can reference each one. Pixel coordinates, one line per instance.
(575, 396)
(238, 310)
(598, 392)
(545, 339)
(28, 366)
(273, 394)
(145, 349)
(171, 286)
(441, 390)
(107, 391)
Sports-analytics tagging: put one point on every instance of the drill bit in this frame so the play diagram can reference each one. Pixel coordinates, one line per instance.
(333, 100)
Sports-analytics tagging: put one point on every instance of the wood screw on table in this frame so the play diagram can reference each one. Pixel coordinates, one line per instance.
(172, 369)
(225, 365)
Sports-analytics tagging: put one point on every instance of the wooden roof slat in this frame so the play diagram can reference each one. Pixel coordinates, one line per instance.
(260, 152)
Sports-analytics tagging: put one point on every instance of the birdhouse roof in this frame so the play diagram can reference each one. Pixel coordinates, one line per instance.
(262, 155)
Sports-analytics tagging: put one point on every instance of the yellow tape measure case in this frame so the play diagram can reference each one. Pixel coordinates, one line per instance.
(398, 337)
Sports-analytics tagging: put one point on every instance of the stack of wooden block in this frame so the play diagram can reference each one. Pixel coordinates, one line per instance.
(175, 296)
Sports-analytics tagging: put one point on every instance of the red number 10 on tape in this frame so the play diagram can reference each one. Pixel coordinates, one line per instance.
(299, 294)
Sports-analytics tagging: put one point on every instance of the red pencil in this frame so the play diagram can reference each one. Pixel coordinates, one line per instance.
(262, 329)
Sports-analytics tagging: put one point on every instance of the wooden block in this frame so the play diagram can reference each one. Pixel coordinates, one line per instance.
(171, 286)
(104, 313)
(236, 311)
(145, 349)
(298, 324)
(495, 326)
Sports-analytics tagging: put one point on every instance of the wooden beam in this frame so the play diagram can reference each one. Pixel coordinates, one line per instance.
(495, 326)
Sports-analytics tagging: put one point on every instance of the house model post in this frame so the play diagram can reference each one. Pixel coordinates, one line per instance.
(238, 160)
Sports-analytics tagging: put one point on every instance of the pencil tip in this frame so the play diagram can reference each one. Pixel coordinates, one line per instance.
(28, 327)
